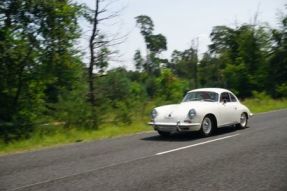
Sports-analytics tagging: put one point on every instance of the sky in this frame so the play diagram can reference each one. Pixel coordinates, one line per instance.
(180, 21)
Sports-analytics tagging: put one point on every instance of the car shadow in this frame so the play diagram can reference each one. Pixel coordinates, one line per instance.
(188, 136)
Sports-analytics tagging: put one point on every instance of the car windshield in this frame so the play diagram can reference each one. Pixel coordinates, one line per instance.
(201, 96)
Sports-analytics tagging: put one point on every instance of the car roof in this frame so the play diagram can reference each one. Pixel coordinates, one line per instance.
(217, 90)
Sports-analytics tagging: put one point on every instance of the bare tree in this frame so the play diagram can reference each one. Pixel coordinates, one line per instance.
(99, 42)
(92, 44)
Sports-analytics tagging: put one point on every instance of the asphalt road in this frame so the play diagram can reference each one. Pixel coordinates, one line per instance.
(251, 159)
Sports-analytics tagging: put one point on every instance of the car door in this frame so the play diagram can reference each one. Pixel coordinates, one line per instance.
(235, 104)
(226, 110)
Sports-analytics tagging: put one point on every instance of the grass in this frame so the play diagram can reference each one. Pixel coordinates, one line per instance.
(73, 135)
(263, 105)
(57, 135)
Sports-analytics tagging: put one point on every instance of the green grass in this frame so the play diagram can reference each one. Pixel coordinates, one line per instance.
(66, 136)
(263, 105)
(56, 135)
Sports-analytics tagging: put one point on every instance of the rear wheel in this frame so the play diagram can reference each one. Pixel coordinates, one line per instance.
(243, 121)
(207, 126)
(163, 133)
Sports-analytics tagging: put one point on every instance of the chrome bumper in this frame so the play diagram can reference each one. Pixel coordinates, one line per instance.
(175, 127)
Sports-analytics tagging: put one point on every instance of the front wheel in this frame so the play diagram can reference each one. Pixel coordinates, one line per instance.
(207, 126)
(243, 121)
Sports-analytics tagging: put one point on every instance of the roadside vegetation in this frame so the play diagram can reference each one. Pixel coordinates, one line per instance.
(56, 135)
(50, 96)
(265, 105)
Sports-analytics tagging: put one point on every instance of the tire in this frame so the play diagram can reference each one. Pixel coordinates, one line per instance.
(243, 121)
(163, 133)
(207, 126)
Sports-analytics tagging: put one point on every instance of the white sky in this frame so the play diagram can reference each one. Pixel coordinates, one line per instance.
(180, 21)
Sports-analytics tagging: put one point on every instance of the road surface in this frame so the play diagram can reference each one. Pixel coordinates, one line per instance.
(251, 159)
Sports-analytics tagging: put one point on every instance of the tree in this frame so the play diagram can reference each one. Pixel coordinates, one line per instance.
(210, 71)
(21, 94)
(184, 65)
(37, 60)
(103, 59)
(99, 47)
(155, 44)
(146, 25)
(92, 46)
(139, 61)
(277, 65)
(243, 51)
(61, 65)
(169, 87)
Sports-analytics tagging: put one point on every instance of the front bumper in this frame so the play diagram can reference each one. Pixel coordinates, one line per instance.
(175, 127)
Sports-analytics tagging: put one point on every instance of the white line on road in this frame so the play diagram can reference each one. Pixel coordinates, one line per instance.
(194, 145)
(115, 164)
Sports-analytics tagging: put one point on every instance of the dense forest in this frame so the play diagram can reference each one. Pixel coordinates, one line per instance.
(43, 78)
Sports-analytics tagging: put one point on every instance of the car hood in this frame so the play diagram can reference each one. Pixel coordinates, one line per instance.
(182, 108)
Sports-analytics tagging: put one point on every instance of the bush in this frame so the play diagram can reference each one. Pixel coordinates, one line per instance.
(169, 87)
(281, 90)
(123, 113)
(15, 130)
(74, 110)
(260, 95)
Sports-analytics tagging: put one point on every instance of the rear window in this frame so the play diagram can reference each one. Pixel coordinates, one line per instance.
(232, 97)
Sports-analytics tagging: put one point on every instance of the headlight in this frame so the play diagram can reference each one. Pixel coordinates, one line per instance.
(191, 113)
(153, 114)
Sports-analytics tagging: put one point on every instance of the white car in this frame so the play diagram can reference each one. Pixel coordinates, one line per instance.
(201, 110)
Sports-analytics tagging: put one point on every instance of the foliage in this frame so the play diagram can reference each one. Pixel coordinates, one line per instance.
(281, 90)
(265, 105)
(210, 71)
(155, 44)
(260, 95)
(241, 55)
(146, 25)
(50, 135)
(73, 110)
(169, 87)
(277, 66)
(43, 80)
(139, 61)
(184, 65)
(37, 61)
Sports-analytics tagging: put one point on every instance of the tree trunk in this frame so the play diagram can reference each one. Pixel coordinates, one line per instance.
(92, 98)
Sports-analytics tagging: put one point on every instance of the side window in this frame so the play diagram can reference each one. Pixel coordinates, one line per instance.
(224, 96)
(233, 99)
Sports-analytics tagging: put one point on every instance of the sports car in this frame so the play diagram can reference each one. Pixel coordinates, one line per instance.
(203, 110)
